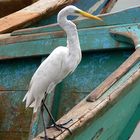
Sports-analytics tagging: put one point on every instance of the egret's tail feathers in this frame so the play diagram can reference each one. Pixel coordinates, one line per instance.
(35, 109)
(36, 104)
(24, 98)
(29, 99)
(32, 105)
(32, 102)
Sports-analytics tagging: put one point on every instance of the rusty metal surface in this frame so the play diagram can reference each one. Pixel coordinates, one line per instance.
(14, 119)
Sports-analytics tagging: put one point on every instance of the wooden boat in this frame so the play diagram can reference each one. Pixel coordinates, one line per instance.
(109, 72)
(37, 13)
(30, 14)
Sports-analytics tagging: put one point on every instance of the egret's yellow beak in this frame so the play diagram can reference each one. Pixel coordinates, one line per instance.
(85, 14)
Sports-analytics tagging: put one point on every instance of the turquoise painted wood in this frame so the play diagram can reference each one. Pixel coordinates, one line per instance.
(98, 38)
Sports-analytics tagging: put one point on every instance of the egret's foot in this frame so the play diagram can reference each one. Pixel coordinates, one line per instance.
(46, 138)
(59, 127)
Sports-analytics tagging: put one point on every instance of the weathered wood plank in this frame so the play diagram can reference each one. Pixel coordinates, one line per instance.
(31, 14)
(128, 16)
(109, 6)
(115, 76)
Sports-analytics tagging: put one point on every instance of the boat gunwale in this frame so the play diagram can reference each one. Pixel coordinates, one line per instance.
(93, 109)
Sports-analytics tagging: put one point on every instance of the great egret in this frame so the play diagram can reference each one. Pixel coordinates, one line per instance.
(61, 62)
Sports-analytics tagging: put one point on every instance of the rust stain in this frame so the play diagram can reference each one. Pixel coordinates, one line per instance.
(3, 103)
(20, 122)
(14, 120)
(71, 96)
(2, 111)
(2, 88)
(117, 44)
(34, 117)
(22, 119)
(108, 6)
(60, 34)
(6, 57)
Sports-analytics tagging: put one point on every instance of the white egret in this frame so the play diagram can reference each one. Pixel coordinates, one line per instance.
(61, 62)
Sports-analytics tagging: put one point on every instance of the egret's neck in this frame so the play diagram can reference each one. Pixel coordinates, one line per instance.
(72, 34)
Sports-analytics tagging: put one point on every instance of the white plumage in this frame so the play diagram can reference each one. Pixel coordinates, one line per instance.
(61, 62)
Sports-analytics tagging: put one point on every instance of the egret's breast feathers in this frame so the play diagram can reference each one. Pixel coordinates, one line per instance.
(51, 69)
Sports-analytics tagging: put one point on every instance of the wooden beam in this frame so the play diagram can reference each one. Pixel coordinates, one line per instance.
(100, 90)
(43, 43)
(30, 14)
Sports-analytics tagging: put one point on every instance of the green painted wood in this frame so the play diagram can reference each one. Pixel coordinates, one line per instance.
(42, 44)
(128, 16)
(114, 118)
(130, 127)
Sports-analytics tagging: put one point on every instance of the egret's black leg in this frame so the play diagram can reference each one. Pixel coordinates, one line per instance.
(44, 126)
(57, 126)
(49, 113)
